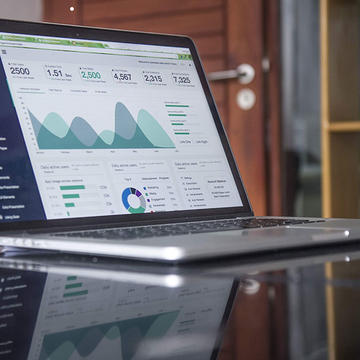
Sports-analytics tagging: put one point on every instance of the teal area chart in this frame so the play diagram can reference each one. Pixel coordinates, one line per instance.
(121, 340)
(145, 133)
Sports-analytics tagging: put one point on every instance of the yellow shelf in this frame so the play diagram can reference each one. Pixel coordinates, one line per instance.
(343, 126)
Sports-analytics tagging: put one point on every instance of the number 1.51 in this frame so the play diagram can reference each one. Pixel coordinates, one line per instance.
(54, 73)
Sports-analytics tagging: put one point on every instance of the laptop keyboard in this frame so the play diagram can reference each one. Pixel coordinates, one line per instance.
(184, 228)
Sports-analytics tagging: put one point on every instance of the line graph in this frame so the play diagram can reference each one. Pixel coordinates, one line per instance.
(55, 133)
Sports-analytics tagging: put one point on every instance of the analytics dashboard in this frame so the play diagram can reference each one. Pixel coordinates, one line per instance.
(109, 128)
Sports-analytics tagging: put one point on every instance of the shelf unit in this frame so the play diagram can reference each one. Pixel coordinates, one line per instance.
(340, 132)
(340, 93)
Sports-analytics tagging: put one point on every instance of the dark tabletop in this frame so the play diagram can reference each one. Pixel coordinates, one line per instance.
(288, 305)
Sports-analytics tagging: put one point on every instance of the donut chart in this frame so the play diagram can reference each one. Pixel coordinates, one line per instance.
(125, 199)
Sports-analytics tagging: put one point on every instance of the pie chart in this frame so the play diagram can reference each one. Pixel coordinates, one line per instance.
(133, 200)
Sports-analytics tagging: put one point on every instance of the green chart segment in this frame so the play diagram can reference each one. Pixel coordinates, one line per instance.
(146, 133)
(129, 334)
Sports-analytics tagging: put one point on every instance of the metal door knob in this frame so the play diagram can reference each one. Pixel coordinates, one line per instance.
(245, 73)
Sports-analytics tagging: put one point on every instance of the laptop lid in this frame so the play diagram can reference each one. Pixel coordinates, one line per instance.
(103, 126)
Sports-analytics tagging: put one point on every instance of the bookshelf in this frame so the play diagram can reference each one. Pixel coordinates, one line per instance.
(340, 135)
(340, 94)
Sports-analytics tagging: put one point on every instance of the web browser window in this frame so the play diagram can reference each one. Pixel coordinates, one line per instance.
(109, 128)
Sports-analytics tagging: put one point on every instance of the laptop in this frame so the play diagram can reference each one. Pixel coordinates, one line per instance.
(111, 144)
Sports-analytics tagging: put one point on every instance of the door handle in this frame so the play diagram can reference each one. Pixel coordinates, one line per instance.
(245, 73)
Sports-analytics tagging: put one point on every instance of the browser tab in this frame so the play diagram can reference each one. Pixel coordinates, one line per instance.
(53, 41)
(88, 44)
(17, 38)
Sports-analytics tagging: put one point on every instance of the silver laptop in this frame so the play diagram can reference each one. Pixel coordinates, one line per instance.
(111, 144)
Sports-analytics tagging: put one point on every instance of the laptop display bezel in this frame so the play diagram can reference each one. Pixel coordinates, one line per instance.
(90, 33)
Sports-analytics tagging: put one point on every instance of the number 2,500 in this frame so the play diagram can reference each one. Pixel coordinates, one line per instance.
(19, 70)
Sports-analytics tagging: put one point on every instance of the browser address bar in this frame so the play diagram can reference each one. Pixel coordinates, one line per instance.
(142, 53)
(120, 51)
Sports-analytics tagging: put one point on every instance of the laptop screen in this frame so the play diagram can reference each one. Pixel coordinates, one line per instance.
(96, 128)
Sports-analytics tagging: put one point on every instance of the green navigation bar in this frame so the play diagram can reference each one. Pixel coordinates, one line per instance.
(85, 44)
(52, 41)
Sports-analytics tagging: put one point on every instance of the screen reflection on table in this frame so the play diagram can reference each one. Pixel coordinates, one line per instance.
(46, 315)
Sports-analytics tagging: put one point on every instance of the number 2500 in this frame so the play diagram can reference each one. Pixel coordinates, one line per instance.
(19, 70)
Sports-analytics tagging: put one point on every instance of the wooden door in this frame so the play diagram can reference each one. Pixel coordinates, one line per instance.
(227, 33)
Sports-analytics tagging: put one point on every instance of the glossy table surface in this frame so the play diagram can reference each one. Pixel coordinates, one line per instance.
(289, 305)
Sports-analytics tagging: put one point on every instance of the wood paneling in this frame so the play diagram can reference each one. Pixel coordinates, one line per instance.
(275, 154)
(219, 92)
(115, 10)
(211, 46)
(191, 24)
(214, 64)
(247, 128)
(59, 11)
